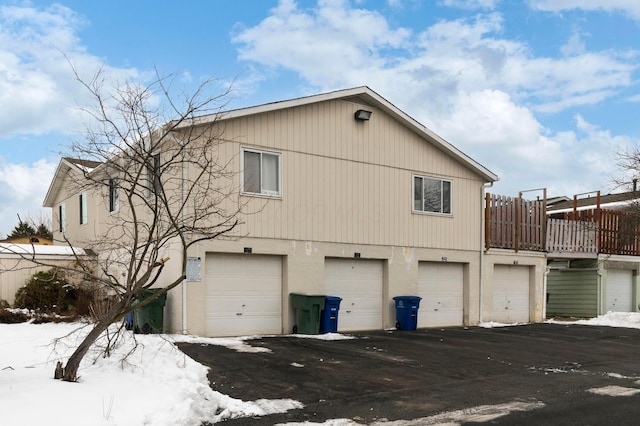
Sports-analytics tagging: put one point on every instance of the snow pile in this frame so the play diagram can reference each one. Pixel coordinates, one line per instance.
(493, 324)
(611, 319)
(239, 344)
(155, 384)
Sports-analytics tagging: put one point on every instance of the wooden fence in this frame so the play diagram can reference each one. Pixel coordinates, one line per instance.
(570, 236)
(514, 223)
(518, 224)
(617, 231)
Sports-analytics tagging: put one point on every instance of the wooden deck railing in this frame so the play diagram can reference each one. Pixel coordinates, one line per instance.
(518, 224)
(619, 233)
(570, 236)
(514, 223)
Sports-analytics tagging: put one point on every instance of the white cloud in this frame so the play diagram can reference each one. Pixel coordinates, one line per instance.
(450, 56)
(629, 7)
(574, 46)
(470, 4)
(39, 95)
(462, 78)
(22, 189)
(321, 44)
(37, 86)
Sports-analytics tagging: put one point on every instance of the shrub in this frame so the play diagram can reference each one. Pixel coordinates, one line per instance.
(50, 292)
(45, 291)
(9, 316)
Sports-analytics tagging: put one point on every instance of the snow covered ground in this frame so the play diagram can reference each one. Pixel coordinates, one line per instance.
(155, 385)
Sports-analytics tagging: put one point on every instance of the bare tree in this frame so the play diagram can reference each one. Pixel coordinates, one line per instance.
(156, 169)
(628, 163)
(626, 238)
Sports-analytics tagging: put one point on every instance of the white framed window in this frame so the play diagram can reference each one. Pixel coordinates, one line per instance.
(432, 195)
(113, 195)
(82, 202)
(62, 218)
(261, 172)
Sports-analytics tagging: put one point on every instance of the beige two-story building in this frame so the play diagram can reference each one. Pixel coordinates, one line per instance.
(354, 199)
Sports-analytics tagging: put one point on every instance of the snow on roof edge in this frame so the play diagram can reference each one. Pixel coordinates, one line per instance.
(28, 249)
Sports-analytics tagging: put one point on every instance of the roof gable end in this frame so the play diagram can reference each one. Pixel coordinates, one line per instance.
(67, 165)
(365, 96)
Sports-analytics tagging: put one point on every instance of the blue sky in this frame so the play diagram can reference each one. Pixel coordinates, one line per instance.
(542, 92)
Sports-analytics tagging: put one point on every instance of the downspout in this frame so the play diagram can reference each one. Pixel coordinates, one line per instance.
(544, 292)
(484, 187)
(601, 299)
(185, 176)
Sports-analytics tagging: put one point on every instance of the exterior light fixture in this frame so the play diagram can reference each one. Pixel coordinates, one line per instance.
(362, 115)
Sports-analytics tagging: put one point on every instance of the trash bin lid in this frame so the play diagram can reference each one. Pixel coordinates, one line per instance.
(408, 298)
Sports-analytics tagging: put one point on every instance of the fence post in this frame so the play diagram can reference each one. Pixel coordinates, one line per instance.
(487, 221)
(516, 223)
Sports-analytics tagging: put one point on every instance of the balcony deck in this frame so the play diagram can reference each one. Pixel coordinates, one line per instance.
(518, 224)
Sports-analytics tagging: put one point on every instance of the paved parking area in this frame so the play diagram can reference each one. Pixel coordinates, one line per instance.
(525, 375)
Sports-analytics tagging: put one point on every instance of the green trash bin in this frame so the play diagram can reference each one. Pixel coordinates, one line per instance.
(149, 318)
(308, 309)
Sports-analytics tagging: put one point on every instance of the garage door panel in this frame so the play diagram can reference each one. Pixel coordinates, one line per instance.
(619, 292)
(243, 294)
(511, 296)
(359, 284)
(238, 304)
(440, 285)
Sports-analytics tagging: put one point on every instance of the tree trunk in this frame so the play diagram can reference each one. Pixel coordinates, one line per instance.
(70, 371)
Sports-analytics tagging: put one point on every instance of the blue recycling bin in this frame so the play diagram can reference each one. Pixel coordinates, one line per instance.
(407, 312)
(329, 315)
(129, 320)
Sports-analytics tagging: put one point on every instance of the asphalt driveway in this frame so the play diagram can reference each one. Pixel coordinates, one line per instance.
(525, 375)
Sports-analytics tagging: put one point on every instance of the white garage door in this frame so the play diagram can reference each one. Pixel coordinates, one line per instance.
(359, 283)
(510, 294)
(441, 287)
(243, 294)
(619, 291)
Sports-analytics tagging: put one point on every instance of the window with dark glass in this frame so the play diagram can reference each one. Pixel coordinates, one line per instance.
(431, 195)
(113, 195)
(261, 172)
(153, 174)
(62, 217)
(82, 202)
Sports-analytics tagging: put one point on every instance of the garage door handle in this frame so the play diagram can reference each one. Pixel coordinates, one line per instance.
(239, 314)
(348, 312)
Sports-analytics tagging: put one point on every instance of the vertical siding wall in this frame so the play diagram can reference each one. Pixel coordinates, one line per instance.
(69, 193)
(15, 272)
(351, 182)
(573, 292)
